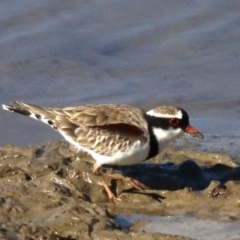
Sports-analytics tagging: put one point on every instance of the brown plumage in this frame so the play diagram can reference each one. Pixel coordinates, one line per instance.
(96, 127)
(166, 110)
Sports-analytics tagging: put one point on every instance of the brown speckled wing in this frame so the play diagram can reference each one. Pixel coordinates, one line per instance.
(104, 129)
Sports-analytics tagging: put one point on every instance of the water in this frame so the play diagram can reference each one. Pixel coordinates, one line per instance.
(185, 226)
(64, 53)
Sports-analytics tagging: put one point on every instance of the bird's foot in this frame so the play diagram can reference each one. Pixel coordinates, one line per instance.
(111, 195)
(136, 184)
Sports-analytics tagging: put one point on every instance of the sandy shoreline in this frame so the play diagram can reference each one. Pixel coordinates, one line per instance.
(48, 192)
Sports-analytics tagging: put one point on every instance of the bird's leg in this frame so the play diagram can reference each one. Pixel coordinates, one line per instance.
(109, 192)
(96, 168)
(135, 183)
(96, 171)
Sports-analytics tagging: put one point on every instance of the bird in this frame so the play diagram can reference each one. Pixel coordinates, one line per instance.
(113, 134)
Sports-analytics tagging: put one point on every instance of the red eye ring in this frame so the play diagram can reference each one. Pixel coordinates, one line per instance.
(174, 122)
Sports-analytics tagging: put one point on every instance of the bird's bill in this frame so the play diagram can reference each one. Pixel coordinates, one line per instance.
(193, 132)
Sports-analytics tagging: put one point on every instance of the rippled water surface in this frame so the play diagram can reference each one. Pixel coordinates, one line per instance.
(196, 228)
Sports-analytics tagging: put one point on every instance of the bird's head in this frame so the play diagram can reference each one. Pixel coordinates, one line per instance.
(169, 122)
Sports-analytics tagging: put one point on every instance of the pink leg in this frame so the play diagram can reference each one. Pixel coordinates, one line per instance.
(96, 168)
(109, 192)
(135, 183)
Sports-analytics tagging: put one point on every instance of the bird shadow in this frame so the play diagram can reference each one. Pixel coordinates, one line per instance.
(173, 177)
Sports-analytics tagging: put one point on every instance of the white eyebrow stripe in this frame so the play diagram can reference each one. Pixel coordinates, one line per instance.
(178, 115)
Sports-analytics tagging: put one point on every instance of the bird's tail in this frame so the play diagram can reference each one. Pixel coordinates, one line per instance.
(33, 111)
(18, 107)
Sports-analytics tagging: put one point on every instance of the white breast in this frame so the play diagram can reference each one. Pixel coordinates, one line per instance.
(136, 154)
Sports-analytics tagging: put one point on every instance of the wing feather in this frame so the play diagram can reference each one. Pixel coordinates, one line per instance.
(102, 128)
(107, 115)
(99, 126)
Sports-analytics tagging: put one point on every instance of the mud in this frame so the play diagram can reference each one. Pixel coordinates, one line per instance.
(49, 192)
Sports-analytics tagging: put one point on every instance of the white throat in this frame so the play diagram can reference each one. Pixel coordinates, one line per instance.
(165, 136)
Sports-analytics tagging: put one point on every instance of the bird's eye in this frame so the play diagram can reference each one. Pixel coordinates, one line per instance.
(173, 122)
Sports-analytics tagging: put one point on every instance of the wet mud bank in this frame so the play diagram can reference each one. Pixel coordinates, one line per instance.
(49, 192)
